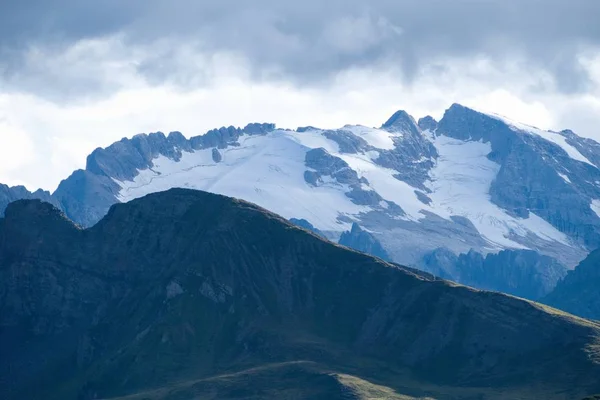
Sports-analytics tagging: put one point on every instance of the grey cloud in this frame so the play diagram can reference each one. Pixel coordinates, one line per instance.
(307, 41)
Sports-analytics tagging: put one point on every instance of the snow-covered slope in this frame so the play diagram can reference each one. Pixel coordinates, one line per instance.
(460, 184)
(269, 170)
(471, 181)
(413, 189)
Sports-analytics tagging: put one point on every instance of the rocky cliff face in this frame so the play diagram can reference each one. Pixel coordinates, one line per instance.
(176, 291)
(522, 273)
(361, 240)
(579, 291)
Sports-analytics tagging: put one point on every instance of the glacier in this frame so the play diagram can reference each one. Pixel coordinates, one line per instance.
(269, 169)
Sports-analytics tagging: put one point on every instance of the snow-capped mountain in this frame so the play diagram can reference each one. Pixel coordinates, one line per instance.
(473, 181)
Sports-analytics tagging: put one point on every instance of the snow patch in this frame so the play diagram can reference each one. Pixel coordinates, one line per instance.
(544, 229)
(383, 182)
(564, 177)
(377, 138)
(595, 206)
(312, 139)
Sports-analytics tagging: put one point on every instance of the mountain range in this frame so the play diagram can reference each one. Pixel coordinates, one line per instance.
(186, 294)
(454, 197)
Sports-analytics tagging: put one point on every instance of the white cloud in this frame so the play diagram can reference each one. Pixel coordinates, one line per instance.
(505, 103)
(356, 34)
(16, 151)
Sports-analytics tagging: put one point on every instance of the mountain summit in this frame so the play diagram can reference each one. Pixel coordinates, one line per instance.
(185, 294)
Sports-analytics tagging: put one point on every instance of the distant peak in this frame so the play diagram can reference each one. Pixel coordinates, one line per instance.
(176, 135)
(356, 228)
(399, 116)
(457, 106)
(568, 133)
(401, 121)
(459, 110)
(17, 187)
(259, 128)
(306, 128)
(157, 134)
(467, 124)
(427, 123)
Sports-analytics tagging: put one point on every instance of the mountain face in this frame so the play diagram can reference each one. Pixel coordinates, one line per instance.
(579, 293)
(471, 182)
(186, 294)
(522, 273)
(364, 241)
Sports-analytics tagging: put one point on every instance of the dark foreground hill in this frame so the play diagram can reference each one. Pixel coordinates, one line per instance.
(190, 295)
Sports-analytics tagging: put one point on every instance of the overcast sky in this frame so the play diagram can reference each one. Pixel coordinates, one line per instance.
(78, 74)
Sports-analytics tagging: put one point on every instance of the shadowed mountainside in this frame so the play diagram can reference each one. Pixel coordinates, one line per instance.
(184, 294)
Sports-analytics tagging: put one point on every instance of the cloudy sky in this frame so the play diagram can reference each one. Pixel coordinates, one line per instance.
(78, 74)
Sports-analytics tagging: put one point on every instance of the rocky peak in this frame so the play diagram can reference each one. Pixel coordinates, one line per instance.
(259, 128)
(361, 240)
(401, 121)
(464, 123)
(122, 159)
(427, 123)
(567, 133)
(177, 139)
(220, 138)
(306, 128)
(413, 153)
